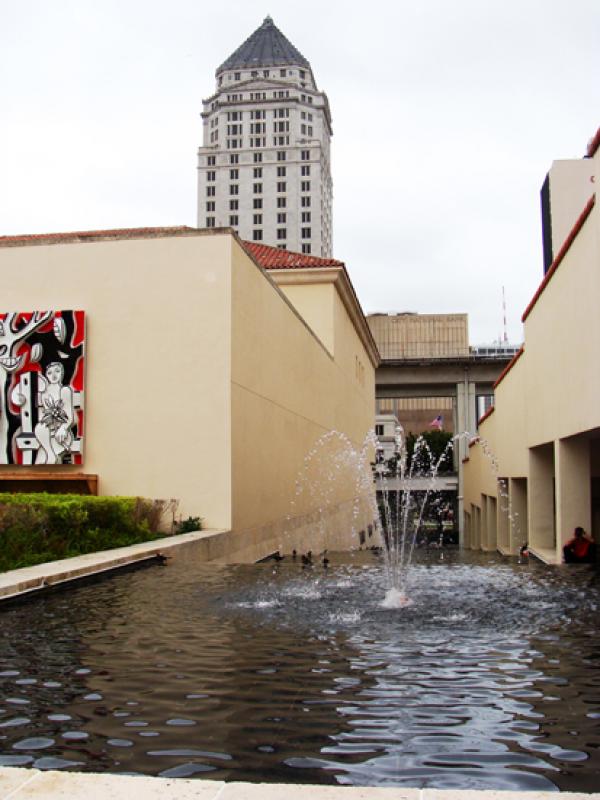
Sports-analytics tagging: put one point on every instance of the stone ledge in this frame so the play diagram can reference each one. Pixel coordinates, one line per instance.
(41, 576)
(20, 784)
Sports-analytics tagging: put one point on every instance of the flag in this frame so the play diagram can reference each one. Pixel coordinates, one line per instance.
(437, 423)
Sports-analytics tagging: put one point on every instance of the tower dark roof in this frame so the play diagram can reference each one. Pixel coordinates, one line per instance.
(266, 47)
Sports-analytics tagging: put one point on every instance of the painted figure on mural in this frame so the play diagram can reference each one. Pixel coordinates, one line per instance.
(54, 430)
(41, 387)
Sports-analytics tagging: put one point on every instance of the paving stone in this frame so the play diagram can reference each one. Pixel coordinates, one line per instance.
(471, 794)
(287, 791)
(12, 777)
(54, 785)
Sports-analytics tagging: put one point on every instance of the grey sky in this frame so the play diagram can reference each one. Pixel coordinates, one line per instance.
(100, 125)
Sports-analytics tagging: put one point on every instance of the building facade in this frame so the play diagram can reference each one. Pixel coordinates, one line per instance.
(264, 165)
(533, 473)
(211, 370)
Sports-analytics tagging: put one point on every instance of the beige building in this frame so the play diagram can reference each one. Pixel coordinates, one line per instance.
(209, 378)
(533, 474)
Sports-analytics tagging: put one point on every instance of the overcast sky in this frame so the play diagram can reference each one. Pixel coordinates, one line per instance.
(446, 118)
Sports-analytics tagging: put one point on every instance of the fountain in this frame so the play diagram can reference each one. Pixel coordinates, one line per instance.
(475, 672)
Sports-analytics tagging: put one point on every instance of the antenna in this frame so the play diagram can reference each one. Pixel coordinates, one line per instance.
(505, 336)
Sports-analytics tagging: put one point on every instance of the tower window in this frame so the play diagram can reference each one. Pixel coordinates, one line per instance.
(281, 155)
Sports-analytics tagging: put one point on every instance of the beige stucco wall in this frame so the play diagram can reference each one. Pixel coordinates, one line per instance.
(570, 188)
(547, 415)
(314, 302)
(287, 392)
(158, 323)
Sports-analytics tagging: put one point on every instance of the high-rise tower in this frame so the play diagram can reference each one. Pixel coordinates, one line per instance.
(264, 164)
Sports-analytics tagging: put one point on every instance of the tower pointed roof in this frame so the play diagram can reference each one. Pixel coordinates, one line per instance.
(266, 47)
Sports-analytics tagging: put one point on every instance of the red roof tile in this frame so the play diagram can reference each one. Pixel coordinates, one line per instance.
(510, 365)
(560, 255)
(487, 414)
(273, 258)
(594, 144)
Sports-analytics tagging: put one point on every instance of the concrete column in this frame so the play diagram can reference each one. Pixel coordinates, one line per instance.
(540, 500)
(483, 527)
(492, 523)
(503, 525)
(464, 412)
(517, 489)
(573, 488)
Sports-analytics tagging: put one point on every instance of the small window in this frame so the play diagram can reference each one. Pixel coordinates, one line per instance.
(234, 205)
(281, 186)
(257, 202)
(211, 161)
(257, 235)
(281, 172)
(237, 76)
(233, 220)
(210, 175)
(210, 191)
(210, 206)
(378, 430)
(281, 233)
(306, 248)
(306, 233)
(234, 158)
(281, 202)
(257, 188)
(257, 158)
(234, 188)
(281, 218)
(305, 155)
(234, 174)
(281, 155)
(210, 222)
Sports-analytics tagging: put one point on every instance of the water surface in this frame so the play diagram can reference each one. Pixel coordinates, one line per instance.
(490, 679)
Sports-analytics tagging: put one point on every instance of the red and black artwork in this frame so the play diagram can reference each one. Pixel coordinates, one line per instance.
(41, 387)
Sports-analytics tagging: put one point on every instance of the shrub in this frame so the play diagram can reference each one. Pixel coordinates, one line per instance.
(35, 528)
(188, 525)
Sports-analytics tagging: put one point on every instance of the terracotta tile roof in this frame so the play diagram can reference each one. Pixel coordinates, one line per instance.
(560, 255)
(273, 258)
(85, 236)
(487, 414)
(594, 144)
(509, 366)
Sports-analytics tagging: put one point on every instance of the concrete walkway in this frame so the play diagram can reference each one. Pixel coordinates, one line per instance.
(19, 784)
(31, 579)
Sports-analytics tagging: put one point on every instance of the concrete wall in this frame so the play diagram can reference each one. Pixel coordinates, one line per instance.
(158, 361)
(289, 391)
(544, 433)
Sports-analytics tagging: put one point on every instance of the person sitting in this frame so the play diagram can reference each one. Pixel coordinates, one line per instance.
(581, 549)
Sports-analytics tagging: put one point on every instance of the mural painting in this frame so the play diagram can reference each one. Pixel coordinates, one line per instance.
(41, 387)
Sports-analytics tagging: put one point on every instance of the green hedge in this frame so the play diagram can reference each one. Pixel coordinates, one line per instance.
(35, 528)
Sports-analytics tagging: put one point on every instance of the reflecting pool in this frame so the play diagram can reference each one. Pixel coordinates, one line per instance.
(279, 672)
